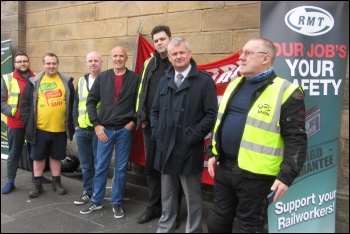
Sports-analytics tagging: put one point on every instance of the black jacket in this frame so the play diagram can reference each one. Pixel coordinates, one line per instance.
(292, 121)
(110, 115)
(181, 119)
(29, 101)
(147, 72)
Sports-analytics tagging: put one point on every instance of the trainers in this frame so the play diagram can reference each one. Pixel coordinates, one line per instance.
(91, 207)
(118, 211)
(84, 198)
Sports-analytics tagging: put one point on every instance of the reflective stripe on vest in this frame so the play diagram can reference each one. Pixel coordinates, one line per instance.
(262, 146)
(83, 117)
(141, 83)
(13, 91)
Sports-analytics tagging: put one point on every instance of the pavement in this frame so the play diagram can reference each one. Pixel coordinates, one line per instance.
(53, 213)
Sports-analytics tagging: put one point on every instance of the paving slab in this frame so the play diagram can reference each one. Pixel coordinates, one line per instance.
(53, 213)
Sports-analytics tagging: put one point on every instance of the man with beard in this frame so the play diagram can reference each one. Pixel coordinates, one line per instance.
(12, 86)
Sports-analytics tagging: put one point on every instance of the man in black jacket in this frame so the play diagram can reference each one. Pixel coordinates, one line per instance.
(153, 70)
(46, 112)
(116, 91)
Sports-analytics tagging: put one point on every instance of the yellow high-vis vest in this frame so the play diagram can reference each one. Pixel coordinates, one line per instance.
(141, 83)
(83, 92)
(262, 146)
(13, 91)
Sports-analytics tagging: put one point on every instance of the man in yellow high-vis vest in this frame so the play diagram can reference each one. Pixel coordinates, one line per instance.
(12, 86)
(259, 142)
(114, 122)
(84, 131)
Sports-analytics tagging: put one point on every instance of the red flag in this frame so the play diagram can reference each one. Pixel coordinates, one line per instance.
(223, 71)
(144, 51)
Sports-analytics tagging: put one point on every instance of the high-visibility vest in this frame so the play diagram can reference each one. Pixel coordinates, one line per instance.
(262, 146)
(141, 83)
(13, 91)
(83, 92)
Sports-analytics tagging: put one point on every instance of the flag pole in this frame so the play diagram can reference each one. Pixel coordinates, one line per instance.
(133, 67)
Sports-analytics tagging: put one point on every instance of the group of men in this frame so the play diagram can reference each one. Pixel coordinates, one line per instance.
(251, 154)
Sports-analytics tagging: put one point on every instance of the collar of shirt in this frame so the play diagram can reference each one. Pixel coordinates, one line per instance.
(185, 72)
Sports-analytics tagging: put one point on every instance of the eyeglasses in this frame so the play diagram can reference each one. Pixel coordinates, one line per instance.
(248, 53)
(24, 61)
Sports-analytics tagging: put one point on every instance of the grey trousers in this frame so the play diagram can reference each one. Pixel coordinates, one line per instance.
(191, 185)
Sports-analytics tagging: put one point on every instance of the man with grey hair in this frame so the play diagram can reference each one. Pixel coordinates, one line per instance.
(259, 140)
(183, 113)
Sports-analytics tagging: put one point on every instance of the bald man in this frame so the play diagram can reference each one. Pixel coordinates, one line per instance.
(116, 91)
(84, 131)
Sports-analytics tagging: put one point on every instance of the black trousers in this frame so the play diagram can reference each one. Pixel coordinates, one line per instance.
(238, 197)
(15, 138)
(153, 176)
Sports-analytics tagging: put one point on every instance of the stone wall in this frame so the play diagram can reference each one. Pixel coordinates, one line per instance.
(71, 29)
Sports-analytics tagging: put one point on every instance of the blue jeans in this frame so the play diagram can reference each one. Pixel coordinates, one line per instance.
(87, 148)
(120, 140)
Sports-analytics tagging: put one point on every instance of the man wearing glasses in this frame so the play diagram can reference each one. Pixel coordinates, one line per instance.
(259, 142)
(12, 86)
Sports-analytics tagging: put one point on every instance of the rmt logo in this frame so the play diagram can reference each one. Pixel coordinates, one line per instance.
(309, 20)
(264, 109)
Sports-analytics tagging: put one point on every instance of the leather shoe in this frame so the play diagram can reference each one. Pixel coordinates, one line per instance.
(147, 216)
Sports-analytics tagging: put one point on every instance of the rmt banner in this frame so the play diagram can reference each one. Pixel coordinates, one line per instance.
(311, 39)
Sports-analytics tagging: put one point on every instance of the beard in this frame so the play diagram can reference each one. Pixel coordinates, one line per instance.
(23, 73)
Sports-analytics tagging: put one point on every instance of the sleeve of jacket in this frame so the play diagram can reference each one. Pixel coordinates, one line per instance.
(154, 114)
(140, 114)
(92, 100)
(294, 135)
(71, 103)
(26, 102)
(136, 94)
(5, 108)
(210, 107)
(209, 148)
